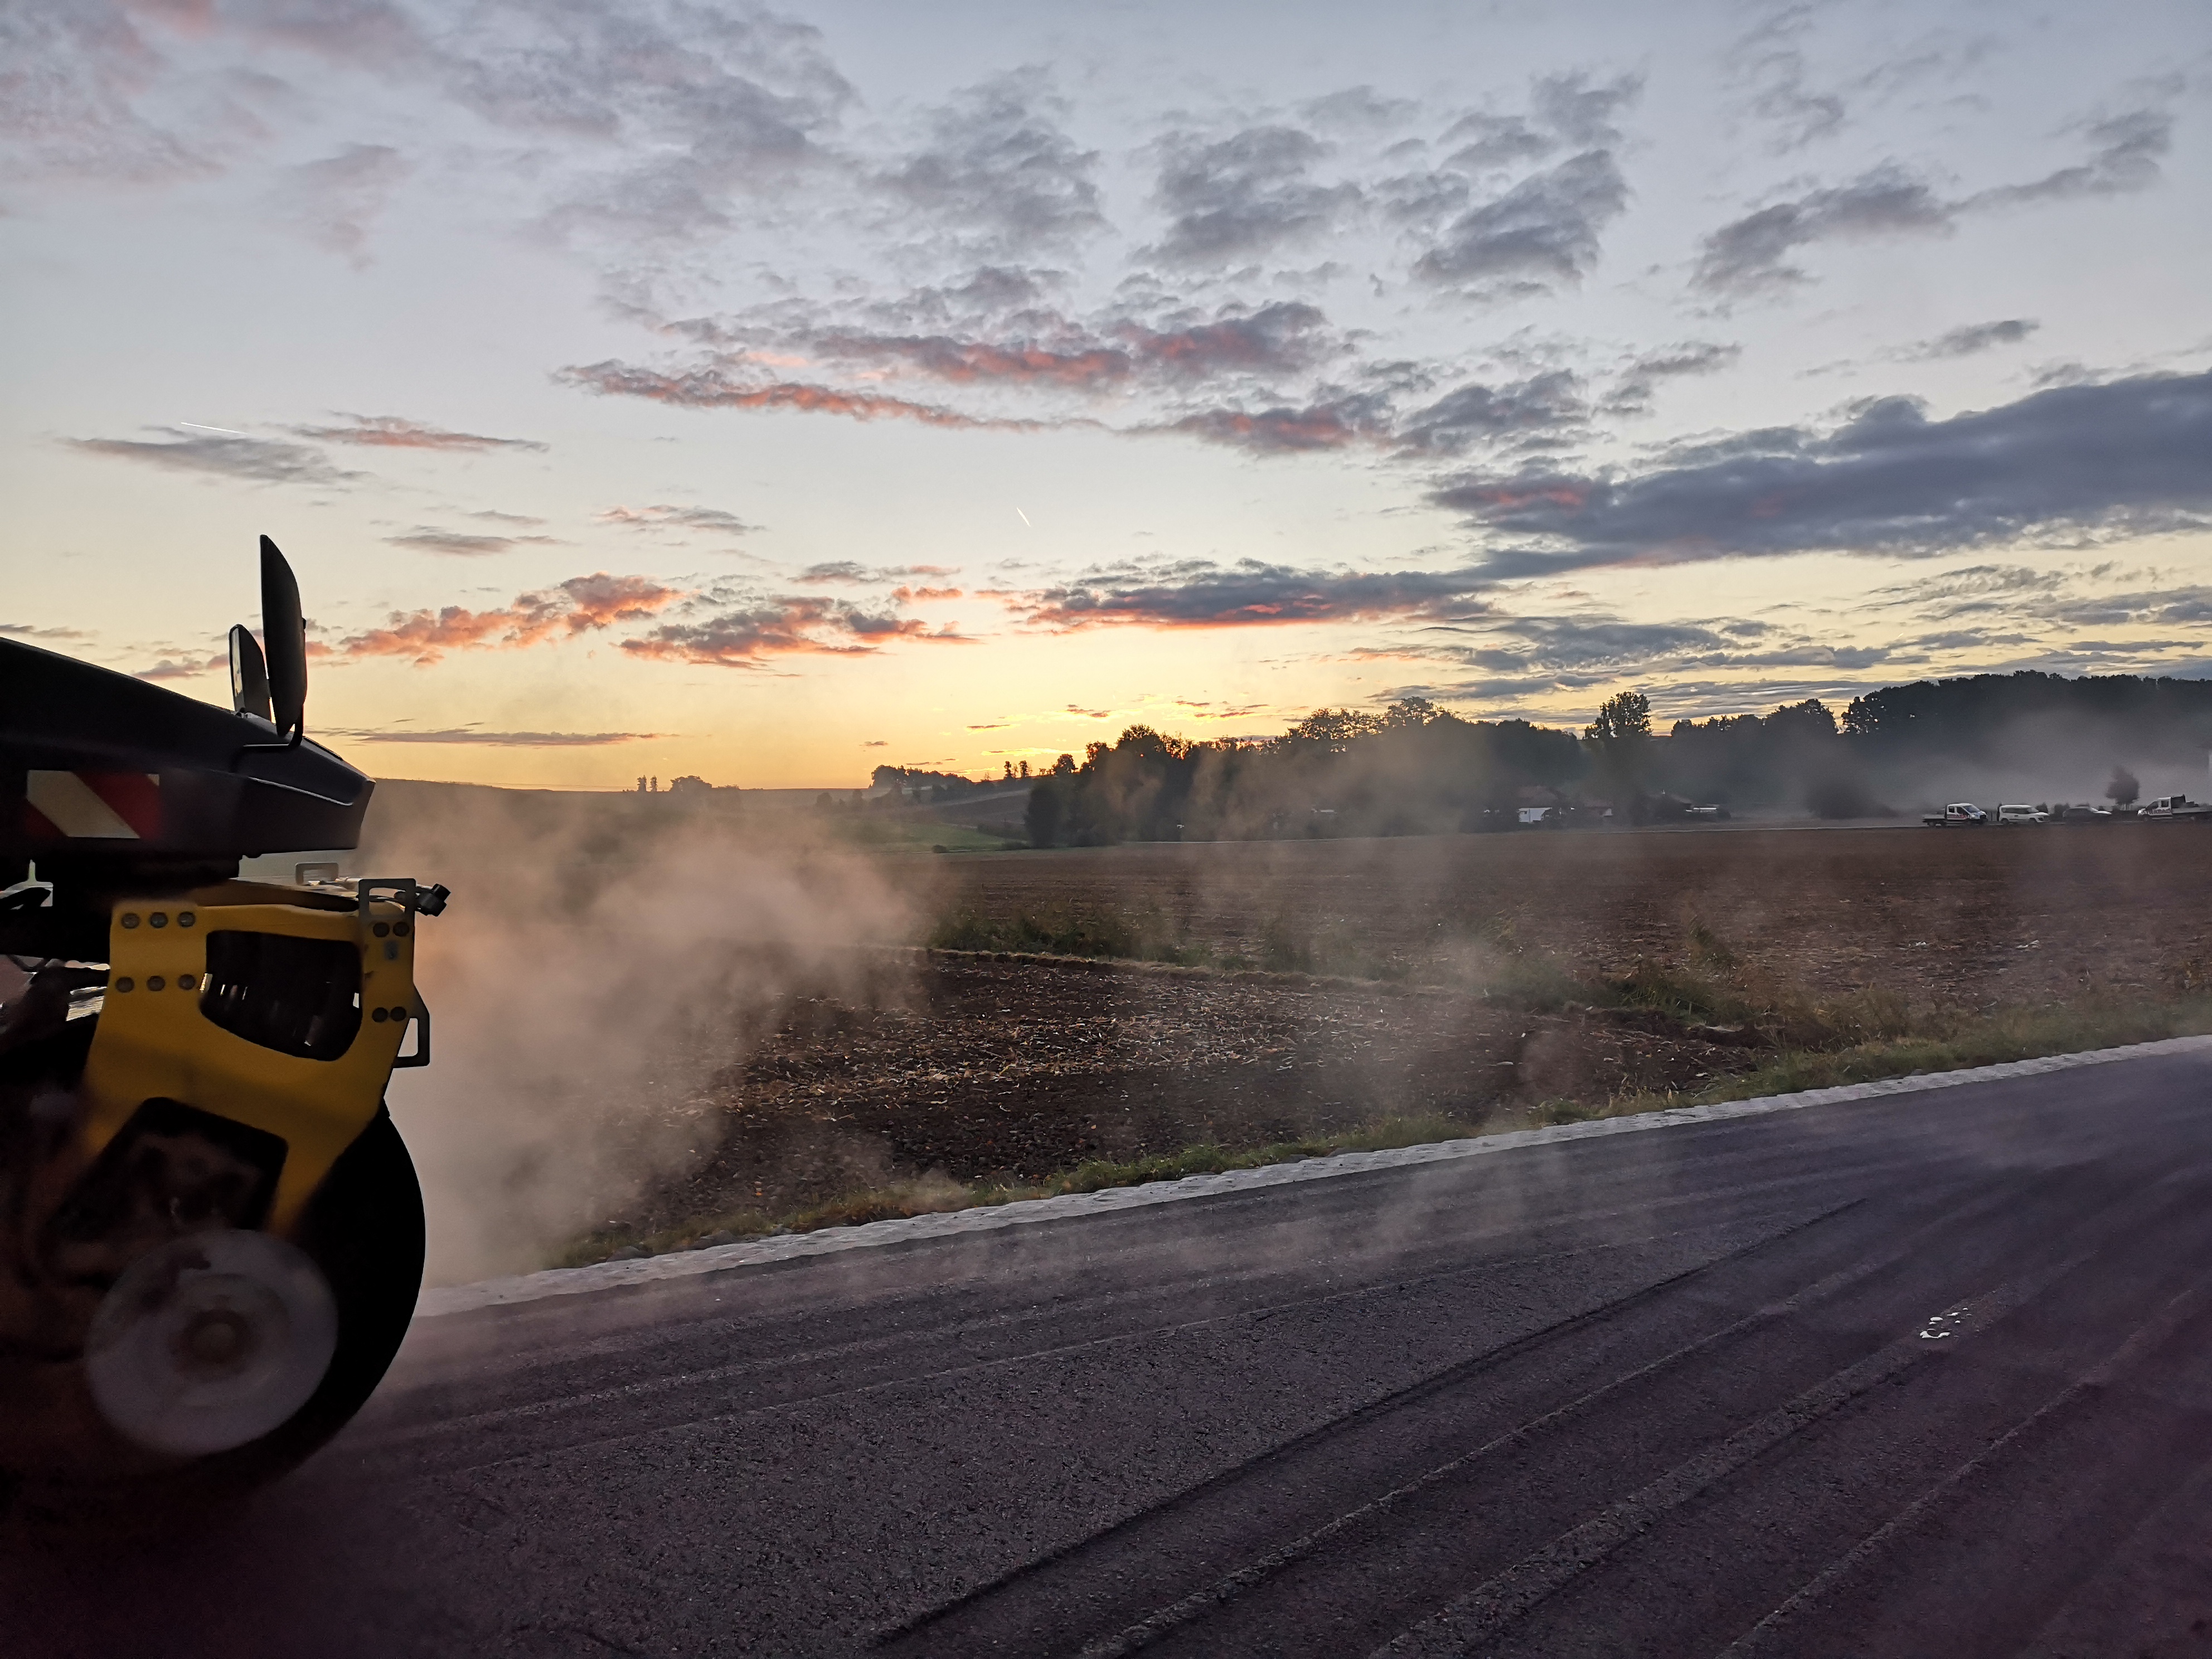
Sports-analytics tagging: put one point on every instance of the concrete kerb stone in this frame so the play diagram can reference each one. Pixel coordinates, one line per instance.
(829, 1241)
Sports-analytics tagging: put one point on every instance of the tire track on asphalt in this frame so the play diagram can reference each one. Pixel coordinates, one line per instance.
(1146, 1632)
(377, 1447)
(1335, 1428)
(1771, 1633)
(1923, 1242)
(1474, 1620)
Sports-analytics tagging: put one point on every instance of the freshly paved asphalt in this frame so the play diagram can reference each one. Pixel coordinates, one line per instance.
(1931, 1375)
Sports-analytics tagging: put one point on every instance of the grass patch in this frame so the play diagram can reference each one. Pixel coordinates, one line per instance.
(1955, 1045)
(935, 1193)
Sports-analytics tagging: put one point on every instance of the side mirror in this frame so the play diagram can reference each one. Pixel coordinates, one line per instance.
(249, 674)
(285, 633)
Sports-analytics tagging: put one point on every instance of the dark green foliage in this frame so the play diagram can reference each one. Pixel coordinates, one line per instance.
(1969, 715)
(1417, 770)
(1411, 769)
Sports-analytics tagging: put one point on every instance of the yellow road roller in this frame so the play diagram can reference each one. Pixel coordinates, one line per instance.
(210, 1232)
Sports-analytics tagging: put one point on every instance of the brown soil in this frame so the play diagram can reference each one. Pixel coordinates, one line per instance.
(1013, 1068)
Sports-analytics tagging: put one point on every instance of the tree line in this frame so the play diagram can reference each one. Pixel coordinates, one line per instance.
(1414, 768)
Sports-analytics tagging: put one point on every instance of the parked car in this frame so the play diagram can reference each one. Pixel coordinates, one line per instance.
(2022, 815)
(2174, 806)
(2083, 814)
(1959, 811)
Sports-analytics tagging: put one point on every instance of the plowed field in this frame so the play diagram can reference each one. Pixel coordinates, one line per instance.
(1009, 1066)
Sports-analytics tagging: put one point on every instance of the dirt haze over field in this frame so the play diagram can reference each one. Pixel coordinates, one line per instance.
(649, 1010)
(998, 1065)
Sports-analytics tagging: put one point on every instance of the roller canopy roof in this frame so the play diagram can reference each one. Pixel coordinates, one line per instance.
(94, 764)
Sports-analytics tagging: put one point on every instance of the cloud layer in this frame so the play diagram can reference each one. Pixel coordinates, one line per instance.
(2128, 456)
(1198, 594)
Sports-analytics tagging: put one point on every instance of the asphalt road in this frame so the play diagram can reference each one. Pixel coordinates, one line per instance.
(1930, 1375)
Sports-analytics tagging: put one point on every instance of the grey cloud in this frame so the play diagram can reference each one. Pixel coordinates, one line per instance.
(332, 200)
(425, 538)
(1564, 110)
(1331, 423)
(1578, 650)
(999, 164)
(1529, 413)
(1199, 594)
(367, 33)
(2066, 372)
(67, 77)
(1283, 336)
(735, 83)
(991, 296)
(169, 668)
(1042, 348)
(2125, 457)
(1976, 589)
(838, 570)
(257, 460)
(1237, 198)
(1972, 338)
(742, 637)
(1748, 255)
(1357, 107)
(1544, 230)
(851, 572)
(711, 519)
(2167, 608)
(726, 105)
(1769, 64)
(1481, 141)
(1581, 113)
(1638, 385)
(2125, 156)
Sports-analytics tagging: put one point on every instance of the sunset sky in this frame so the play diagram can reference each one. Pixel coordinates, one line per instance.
(663, 388)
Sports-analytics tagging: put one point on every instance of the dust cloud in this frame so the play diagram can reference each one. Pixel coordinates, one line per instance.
(603, 959)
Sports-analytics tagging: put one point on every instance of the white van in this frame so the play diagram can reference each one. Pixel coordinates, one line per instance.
(2022, 815)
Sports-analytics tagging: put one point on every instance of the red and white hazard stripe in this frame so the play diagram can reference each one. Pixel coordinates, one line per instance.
(93, 805)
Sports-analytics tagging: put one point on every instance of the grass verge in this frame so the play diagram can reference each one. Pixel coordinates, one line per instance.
(935, 1193)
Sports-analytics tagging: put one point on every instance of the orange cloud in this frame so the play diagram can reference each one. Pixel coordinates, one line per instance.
(578, 605)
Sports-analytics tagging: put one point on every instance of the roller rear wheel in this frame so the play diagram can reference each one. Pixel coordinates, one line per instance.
(363, 1233)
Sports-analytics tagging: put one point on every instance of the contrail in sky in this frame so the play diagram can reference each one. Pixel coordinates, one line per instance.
(1023, 517)
(228, 433)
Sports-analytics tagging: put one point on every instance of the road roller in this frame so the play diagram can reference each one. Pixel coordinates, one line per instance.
(210, 1231)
